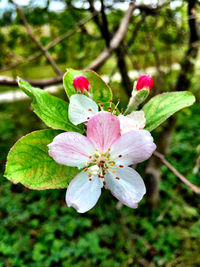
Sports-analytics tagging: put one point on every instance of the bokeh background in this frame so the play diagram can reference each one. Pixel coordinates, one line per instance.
(162, 39)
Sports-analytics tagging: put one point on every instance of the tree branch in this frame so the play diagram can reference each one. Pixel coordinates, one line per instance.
(31, 34)
(194, 188)
(115, 41)
(114, 44)
(51, 44)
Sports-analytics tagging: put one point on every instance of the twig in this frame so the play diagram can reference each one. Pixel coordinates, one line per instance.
(115, 41)
(51, 44)
(193, 187)
(31, 34)
(4, 80)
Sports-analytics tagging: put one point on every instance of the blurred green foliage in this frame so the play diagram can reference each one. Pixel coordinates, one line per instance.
(37, 228)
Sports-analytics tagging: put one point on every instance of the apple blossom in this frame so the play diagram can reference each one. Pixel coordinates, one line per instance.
(144, 82)
(105, 156)
(82, 108)
(81, 84)
(133, 121)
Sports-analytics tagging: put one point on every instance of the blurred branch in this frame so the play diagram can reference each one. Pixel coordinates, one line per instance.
(187, 65)
(194, 188)
(4, 80)
(31, 34)
(149, 10)
(115, 41)
(114, 44)
(51, 44)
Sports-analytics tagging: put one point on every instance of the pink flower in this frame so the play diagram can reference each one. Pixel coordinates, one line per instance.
(81, 83)
(144, 82)
(105, 157)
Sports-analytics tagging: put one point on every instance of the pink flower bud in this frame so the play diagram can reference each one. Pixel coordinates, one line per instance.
(81, 83)
(144, 82)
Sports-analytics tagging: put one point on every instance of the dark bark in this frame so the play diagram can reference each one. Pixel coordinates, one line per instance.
(121, 63)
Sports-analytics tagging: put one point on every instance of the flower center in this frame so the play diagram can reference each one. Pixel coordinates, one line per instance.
(100, 163)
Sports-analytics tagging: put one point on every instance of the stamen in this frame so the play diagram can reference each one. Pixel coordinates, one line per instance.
(118, 101)
(102, 154)
(104, 182)
(121, 166)
(120, 156)
(90, 157)
(111, 164)
(85, 169)
(122, 110)
(99, 175)
(113, 171)
(109, 149)
(106, 159)
(88, 118)
(90, 179)
(89, 109)
(117, 178)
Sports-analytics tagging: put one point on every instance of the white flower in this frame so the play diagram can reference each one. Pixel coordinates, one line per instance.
(82, 108)
(133, 121)
(105, 157)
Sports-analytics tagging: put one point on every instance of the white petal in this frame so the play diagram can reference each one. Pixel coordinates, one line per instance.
(129, 189)
(81, 108)
(82, 194)
(134, 121)
(132, 147)
(71, 149)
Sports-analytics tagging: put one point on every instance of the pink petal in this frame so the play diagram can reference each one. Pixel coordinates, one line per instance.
(103, 129)
(128, 188)
(71, 149)
(82, 194)
(132, 147)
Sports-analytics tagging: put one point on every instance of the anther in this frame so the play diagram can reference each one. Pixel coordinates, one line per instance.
(98, 101)
(109, 149)
(89, 109)
(111, 164)
(120, 156)
(113, 171)
(99, 175)
(102, 176)
(85, 169)
(110, 100)
(104, 182)
(90, 157)
(88, 118)
(122, 110)
(117, 178)
(90, 179)
(121, 166)
(106, 159)
(102, 154)
(102, 165)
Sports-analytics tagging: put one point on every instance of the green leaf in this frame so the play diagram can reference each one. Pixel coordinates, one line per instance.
(29, 163)
(50, 109)
(162, 106)
(100, 90)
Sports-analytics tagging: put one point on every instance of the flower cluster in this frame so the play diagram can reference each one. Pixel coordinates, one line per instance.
(111, 145)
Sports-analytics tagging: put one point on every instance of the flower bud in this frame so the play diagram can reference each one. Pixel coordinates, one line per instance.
(81, 84)
(144, 82)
